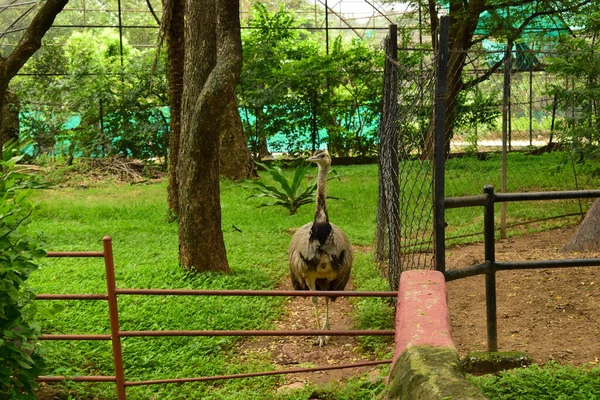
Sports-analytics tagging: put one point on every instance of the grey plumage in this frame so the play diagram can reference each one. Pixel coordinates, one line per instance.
(320, 255)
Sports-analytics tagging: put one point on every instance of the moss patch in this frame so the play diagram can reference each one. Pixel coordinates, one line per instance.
(431, 373)
(486, 362)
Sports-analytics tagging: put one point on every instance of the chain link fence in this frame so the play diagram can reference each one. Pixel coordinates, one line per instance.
(503, 128)
(404, 228)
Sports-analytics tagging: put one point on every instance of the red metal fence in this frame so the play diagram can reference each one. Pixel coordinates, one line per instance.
(116, 333)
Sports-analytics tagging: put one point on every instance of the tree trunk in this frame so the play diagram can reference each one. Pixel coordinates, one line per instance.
(587, 236)
(236, 160)
(213, 61)
(10, 118)
(175, 61)
(464, 17)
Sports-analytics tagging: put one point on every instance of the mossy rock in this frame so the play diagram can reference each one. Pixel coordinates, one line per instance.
(430, 373)
(491, 362)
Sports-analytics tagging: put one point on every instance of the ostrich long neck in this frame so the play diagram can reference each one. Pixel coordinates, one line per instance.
(321, 212)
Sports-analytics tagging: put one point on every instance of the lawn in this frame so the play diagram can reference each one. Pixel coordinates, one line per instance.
(145, 249)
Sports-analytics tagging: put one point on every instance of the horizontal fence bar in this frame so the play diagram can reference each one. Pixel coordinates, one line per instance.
(479, 200)
(75, 254)
(479, 269)
(72, 296)
(299, 293)
(307, 332)
(255, 374)
(531, 196)
(465, 272)
(579, 262)
(59, 378)
(74, 337)
(466, 201)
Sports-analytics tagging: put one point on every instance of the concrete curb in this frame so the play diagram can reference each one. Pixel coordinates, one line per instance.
(426, 364)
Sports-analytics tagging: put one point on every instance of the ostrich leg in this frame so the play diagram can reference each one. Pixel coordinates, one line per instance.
(321, 340)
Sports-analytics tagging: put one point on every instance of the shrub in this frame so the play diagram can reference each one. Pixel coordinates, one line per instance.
(289, 194)
(20, 361)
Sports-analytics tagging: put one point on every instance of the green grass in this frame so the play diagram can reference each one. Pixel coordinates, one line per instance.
(145, 250)
(550, 382)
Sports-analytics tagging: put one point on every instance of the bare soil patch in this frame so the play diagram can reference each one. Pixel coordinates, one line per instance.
(301, 352)
(550, 314)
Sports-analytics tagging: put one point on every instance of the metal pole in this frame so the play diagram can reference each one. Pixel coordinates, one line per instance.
(102, 136)
(120, 31)
(505, 129)
(440, 147)
(531, 105)
(326, 28)
(113, 310)
(390, 161)
(490, 276)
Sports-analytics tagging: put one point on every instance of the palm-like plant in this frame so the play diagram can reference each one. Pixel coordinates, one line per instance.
(289, 193)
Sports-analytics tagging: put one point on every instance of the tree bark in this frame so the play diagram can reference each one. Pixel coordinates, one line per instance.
(213, 61)
(587, 236)
(10, 118)
(28, 45)
(236, 160)
(464, 17)
(174, 33)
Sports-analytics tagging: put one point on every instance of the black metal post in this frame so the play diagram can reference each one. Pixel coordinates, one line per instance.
(315, 128)
(490, 277)
(505, 132)
(102, 136)
(531, 105)
(326, 28)
(390, 155)
(120, 31)
(440, 147)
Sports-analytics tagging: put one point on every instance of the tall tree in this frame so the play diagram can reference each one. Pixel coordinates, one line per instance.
(30, 42)
(236, 160)
(213, 62)
(508, 20)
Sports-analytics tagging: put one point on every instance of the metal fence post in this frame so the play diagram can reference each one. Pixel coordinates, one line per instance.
(113, 310)
(490, 276)
(440, 147)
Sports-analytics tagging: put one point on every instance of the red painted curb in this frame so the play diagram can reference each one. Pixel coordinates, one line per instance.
(422, 316)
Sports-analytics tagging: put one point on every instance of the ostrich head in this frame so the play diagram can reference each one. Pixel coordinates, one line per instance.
(321, 158)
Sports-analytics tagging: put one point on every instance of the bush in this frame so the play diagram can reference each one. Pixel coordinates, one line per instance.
(20, 361)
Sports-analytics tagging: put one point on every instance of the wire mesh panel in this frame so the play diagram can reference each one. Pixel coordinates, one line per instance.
(505, 132)
(404, 232)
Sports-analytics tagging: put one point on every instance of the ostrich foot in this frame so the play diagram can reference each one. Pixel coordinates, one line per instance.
(321, 341)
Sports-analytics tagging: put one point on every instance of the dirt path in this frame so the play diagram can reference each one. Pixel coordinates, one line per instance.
(301, 352)
(550, 314)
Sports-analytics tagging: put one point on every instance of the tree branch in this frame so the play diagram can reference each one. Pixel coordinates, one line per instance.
(32, 39)
(485, 76)
(152, 12)
(17, 20)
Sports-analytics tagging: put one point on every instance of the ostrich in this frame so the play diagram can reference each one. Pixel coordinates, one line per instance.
(320, 256)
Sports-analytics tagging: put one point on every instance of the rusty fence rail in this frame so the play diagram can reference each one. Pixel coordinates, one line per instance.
(112, 292)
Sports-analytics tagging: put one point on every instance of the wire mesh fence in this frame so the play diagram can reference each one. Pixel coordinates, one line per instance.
(404, 229)
(503, 127)
(512, 142)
